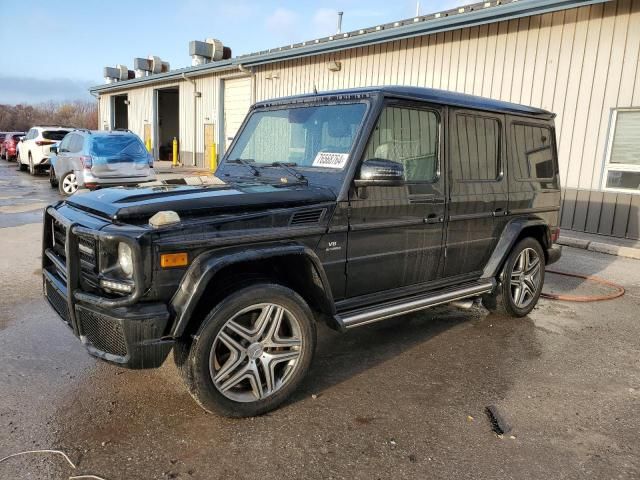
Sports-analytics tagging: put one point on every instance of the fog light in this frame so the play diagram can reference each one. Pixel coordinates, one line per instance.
(116, 286)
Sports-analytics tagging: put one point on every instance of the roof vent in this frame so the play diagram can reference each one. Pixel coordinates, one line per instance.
(117, 74)
(211, 50)
(307, 217)
(149, 66)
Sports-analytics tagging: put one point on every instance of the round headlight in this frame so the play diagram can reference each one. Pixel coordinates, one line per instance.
(125, 259)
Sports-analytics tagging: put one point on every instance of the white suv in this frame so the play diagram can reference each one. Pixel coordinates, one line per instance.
(35, 147)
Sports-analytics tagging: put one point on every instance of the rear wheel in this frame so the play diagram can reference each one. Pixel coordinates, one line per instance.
(520, 282)
(68, 184)
(251, 351)
(32, 167)
(21, 166)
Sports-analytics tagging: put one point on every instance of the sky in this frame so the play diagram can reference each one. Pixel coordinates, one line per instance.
(59, 48)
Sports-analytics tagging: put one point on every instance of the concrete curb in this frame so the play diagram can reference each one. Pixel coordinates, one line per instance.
(600, 247)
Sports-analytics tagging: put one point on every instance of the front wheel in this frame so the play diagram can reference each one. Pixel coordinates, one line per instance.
(53, 181)
(520, 282)
(251, 351)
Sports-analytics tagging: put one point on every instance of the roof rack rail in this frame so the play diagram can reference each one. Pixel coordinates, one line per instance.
(84, 130)
(121, 130)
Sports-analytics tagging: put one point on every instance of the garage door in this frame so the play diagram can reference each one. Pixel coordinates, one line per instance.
(237, 100)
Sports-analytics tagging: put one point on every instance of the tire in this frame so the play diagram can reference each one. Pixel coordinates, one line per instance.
(240, 387)
(520, 281)
(68, 184)
(21, 166)
(32, 167)
(53, 181)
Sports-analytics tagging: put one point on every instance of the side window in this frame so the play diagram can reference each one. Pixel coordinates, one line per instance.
(75, 143)
(475, 148)
(533, 150)
(64, 144)
(32, 134)
(409, 136)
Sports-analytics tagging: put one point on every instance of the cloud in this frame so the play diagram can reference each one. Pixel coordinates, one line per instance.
(14, 90)
(284, 24)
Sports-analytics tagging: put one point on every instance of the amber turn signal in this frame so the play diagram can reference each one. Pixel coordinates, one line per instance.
(168, 260)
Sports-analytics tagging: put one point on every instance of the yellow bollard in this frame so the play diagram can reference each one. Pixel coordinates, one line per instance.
(213, 163)
(148, 145)
(175, 152)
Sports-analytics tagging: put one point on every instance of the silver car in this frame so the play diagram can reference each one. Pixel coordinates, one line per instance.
(96, 159)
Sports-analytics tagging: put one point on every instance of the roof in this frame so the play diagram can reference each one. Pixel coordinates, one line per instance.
(431, 95)
(463, 17)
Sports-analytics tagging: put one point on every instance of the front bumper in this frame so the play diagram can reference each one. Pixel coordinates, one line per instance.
(553, 254)
(128, 336)
(120, 330)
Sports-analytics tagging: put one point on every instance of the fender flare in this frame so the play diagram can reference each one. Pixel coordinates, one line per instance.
(208, 264)
(508, 239)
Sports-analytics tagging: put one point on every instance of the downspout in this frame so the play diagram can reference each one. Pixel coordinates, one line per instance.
(250, 71)
(195, 132)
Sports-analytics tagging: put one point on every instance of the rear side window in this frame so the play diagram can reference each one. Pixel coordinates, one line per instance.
(76, 143)
(476, 148)
(533, 150)
(17, 137)
(119, 145)
(55, 135)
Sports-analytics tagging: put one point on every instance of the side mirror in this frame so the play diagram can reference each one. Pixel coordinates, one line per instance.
(21, 139)
(54, 149)
(378, 171)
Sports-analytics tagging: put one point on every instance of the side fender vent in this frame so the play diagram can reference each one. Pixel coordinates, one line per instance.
(307, 217)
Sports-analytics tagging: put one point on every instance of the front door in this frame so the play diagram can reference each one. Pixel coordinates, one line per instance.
(478, 191)
(396, 232)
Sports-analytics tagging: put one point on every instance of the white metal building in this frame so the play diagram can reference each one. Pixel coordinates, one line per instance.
(577, 58)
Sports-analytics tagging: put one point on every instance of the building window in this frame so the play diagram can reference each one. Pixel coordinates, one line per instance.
(622, 167)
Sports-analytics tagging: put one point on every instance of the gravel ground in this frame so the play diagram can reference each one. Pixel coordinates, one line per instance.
(404, 398)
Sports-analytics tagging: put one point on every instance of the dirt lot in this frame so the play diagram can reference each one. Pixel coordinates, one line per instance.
(404, 398)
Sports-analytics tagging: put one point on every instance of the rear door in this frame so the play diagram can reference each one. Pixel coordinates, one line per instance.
(478, 190)
(118, 156)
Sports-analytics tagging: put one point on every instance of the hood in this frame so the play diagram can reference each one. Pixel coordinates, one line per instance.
(131, 203)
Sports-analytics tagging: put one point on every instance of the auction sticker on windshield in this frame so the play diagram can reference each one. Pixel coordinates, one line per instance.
(330, 160)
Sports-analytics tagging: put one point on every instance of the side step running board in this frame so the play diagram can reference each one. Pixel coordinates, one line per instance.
(368, 315)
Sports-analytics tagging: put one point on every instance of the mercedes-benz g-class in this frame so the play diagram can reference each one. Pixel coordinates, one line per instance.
(347, 207)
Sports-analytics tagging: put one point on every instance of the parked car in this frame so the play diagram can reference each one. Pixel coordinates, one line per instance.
(96, 159)
(8, 147)
(348, 207)
(34, 150)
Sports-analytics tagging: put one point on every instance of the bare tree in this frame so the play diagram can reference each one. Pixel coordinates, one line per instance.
(79, 114)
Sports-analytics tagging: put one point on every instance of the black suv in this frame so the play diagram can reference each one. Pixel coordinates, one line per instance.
(349, 207)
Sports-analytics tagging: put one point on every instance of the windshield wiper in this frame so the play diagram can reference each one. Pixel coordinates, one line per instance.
(241, 161)
(289, 168)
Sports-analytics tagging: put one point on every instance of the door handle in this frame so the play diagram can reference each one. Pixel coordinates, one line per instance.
(433, 218)
(499, 211)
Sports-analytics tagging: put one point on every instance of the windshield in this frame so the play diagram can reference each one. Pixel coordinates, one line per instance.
(119, 146)
(311, 136)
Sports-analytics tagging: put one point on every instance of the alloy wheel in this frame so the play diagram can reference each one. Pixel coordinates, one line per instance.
(69, 183)
(256, 352)
(525, 278)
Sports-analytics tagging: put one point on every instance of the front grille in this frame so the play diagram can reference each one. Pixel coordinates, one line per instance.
(59, 238)
(104, 333)
(57, 301)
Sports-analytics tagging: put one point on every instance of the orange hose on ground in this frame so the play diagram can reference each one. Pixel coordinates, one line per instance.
(619, 290)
